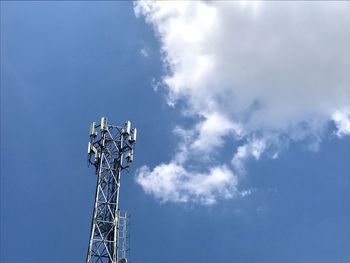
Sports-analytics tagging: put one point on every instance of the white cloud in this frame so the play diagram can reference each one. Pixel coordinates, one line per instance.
(342, 121)
(172, 182)
(211, 130)
(247, 192)
(253, 148)
(259, 73)
(144, 53)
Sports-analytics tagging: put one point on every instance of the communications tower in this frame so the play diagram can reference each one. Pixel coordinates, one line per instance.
(110, 151)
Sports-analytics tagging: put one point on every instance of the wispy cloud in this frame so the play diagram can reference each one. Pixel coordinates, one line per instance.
(144, 53)
(262, 74)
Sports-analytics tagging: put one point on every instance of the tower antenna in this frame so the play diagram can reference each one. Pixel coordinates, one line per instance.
(110, 151)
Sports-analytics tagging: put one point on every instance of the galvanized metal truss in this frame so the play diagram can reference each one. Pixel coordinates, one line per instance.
(124, 237)
(111, 150)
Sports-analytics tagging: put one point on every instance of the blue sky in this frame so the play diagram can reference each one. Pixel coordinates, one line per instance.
(66, 64)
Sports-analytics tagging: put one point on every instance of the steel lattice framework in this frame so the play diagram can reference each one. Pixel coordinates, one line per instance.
(111, 150)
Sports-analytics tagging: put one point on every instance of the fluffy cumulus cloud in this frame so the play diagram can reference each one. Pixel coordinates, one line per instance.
(254, 76)
(342, 121)
(172, 182)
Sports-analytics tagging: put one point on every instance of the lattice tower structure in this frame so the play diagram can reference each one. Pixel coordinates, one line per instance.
(110, 151)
